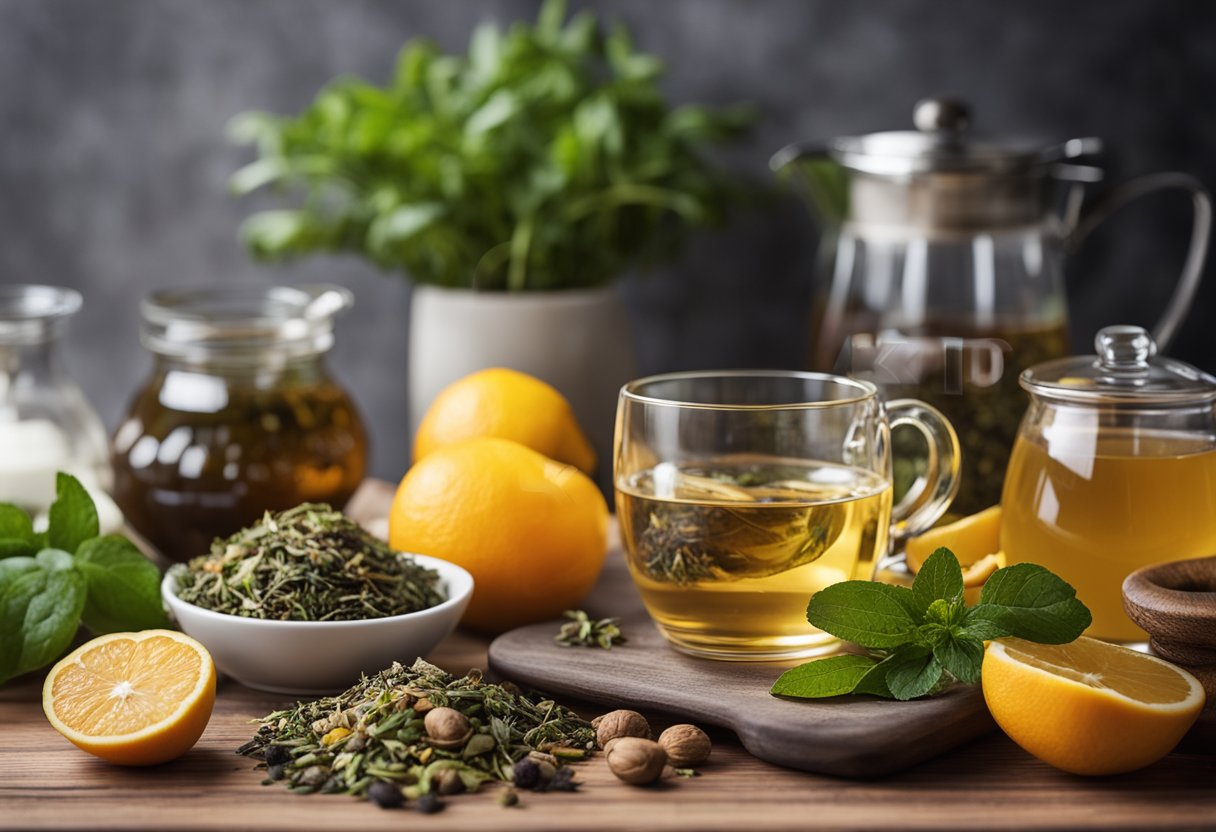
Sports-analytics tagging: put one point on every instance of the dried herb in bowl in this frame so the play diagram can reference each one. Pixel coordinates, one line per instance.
(310, 563)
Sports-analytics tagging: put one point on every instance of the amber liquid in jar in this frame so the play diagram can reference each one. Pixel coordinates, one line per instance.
(204, 452)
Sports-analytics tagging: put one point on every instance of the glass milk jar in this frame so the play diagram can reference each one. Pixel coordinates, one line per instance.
(46, 424)
(240, 415)
(1114, 468)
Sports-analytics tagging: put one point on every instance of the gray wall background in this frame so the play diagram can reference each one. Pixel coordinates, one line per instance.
(113, 159)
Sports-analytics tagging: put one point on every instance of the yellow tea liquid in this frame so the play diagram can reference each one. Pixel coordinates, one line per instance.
(1094, 508)
(726, 554)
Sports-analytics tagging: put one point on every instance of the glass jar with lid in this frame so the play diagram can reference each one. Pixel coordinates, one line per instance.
(1114, 468)
(46, 424)
(240, 415)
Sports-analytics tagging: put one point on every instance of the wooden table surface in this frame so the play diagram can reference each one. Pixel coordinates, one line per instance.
(45, 783)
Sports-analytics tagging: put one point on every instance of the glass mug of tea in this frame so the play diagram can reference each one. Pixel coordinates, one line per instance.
(741, 494)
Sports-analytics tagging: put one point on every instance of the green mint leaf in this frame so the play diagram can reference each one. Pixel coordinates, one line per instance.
(15, 524)
(962, 655)
(817, 679)
(946, 613)
(931, 634)
(124, 587)
(12, 547)
(912, 671)
(874, 682)
(1030, 602)
(865, 612)
(982, 629)
(73, 517)
(40, 604)
(940, 578)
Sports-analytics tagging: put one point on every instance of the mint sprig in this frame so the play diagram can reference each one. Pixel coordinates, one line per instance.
(52, 581)
(921, 640)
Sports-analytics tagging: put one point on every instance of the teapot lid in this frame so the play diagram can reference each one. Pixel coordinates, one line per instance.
(942, 142)
(1126, 370)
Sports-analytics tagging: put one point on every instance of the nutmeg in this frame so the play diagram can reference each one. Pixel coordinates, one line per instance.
(637, 761)
(447, 728)
(617, 724)
(686, 745)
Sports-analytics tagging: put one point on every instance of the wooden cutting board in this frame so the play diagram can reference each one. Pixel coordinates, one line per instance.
(854, 736)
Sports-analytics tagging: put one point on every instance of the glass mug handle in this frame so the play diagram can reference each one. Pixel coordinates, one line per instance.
(931, 494)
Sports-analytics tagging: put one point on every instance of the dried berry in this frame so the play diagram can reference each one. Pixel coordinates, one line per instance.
(430, 803)
(637, 761)
(562, 781)
(526, 774)
(277, 755)
(508, 797)
(686, 745)
(447, 728)
(275, 772)
(618, 724)
(385, 795)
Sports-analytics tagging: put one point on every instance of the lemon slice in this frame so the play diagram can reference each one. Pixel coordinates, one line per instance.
(1089, 707)
(132, 698)
(971, 539)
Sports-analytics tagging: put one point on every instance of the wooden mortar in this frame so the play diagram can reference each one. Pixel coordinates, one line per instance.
(1175, 603)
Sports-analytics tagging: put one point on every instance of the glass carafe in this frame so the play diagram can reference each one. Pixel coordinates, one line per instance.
(240, 415)
(1114, 468)
(941, 270)
(46, 424)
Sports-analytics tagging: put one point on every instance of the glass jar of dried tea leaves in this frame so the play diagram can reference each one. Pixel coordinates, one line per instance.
(239, 417)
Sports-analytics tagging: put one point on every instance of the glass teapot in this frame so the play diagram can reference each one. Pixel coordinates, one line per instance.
(940, 272)
(1114, 468)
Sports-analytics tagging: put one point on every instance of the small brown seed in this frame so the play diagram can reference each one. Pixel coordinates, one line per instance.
(617, 724)
(447, 728)
(637, 761)
(686, 745)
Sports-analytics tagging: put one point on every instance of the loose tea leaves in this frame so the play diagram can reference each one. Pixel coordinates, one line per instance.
(584, 631)
(377, 733)
(728, 523)
(310, 563)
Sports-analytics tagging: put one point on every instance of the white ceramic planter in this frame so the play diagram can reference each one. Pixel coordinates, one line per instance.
(577, 340)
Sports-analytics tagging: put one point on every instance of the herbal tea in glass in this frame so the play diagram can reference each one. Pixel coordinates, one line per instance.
(730, 550)
(740, 495)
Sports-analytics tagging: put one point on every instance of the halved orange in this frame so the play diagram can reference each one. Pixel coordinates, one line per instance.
(1089, 707)
(136, 699)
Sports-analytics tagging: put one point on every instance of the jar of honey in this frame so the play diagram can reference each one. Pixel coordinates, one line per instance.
(240, 415)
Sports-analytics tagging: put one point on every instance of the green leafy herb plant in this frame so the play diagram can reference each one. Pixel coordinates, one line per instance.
(544, 158)
(51, 582)
(921, 640)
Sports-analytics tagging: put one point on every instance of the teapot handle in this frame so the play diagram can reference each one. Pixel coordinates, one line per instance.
(1192, 269)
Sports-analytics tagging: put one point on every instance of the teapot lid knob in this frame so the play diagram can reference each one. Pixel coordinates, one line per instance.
(1123, 348)
(941, 115)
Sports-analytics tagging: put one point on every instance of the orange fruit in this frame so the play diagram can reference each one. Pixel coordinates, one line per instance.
(510, 405)
(971, 539)
(136, 699)
(1089, 707)
(532, 532)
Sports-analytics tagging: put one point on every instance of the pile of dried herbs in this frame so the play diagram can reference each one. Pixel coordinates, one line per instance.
(375, 739)
(310, 563)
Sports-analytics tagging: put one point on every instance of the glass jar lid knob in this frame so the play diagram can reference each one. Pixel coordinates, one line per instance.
(1124, 352)
(941, 115)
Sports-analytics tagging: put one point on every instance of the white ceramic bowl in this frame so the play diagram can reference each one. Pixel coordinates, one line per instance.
(313, 657)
